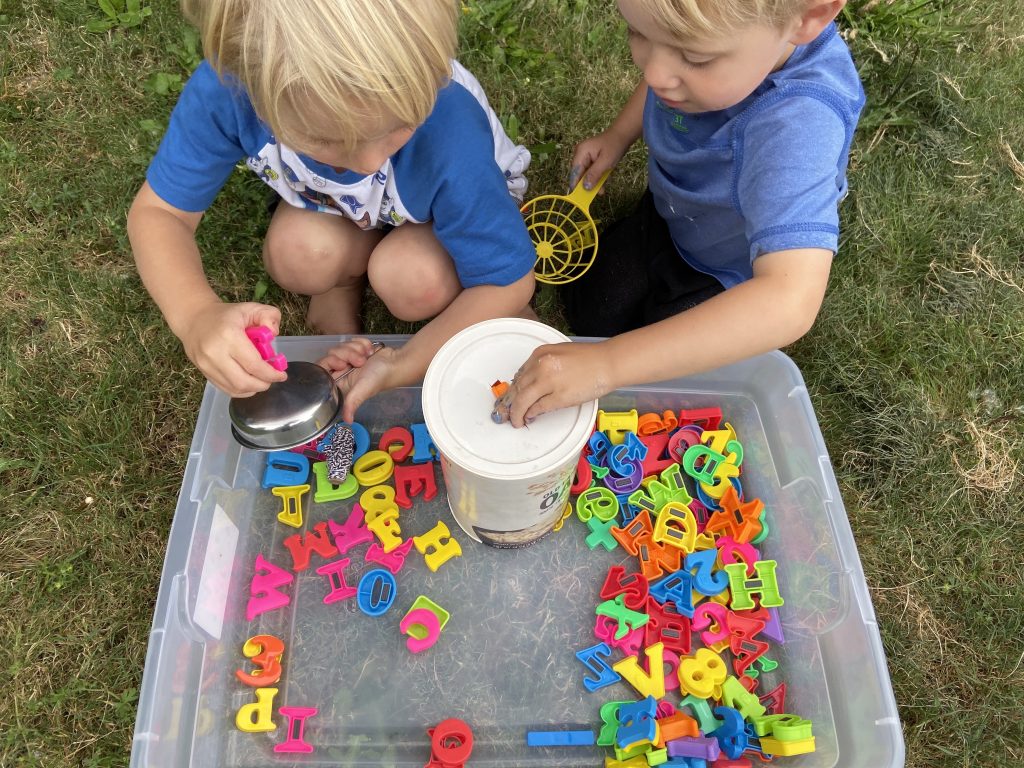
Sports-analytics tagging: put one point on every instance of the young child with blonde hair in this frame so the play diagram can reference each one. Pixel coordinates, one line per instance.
(389, 164)
(748, 108)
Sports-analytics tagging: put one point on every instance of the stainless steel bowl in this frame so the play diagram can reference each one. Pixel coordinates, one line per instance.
(289, 413)
(292, 412)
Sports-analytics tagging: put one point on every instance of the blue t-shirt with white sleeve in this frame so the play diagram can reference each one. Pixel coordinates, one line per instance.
(764, 175)
(459, 172)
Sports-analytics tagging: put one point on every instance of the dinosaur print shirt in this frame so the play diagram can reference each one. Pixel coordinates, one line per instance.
(459, 172)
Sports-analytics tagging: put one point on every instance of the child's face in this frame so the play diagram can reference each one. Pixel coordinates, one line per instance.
(704, 75)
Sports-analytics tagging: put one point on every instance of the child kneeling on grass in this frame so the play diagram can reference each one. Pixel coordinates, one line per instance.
(748, 108)
(391, 167)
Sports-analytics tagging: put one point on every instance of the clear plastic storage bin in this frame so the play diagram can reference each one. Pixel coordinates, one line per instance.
(505, 661)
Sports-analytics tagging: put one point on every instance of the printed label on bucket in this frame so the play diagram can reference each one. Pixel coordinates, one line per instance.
(551, 504)
(491, 513)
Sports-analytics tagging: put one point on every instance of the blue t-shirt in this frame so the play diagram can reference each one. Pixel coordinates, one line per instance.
(458, 171)
(764, 175)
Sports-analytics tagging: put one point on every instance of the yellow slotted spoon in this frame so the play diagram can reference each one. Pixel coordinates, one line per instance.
(563, 233)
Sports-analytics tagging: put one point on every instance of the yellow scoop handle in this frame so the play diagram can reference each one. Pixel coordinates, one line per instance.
(584, 197)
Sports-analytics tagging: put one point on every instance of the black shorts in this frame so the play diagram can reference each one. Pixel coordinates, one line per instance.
(637, 279)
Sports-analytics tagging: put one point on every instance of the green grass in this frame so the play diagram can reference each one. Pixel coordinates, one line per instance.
(915, 367)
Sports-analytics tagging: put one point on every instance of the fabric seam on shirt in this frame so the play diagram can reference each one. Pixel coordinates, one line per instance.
(823, 94)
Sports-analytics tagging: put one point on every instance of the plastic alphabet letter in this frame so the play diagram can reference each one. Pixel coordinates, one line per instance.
(297, 717)
(731, 734)
(668, 486)
(597, 502)
(628, 620)
(694, 746)
(256, 717)
(637, 724)
(285, 468)
(262, 338)
(353, 533)
(656, 559)
(378, 500)
(711, 461)
(739, 521)
(328, 491)
(435, 550)
(424, 449)
(666, 624)
(291, 498)
(601, 534)
(676, 526)
(301, 546)
(633, 588)
(706, 580)
(425, 602)
(705, 418)
(657, 459)
(731, 551)
(393, 560)
(591, 659)
(702, 673)
(736, 696)
(263, 593)
(701, 712)
(616, 424)
(681, 441)
(764, 585)
(609, 722)
(398, 442)
(376, 592)
(649, 424)
(626, 482)
(265, 652)
(598, 445)
(373, 468)
(637, 531)
(427, 626)
(335, 573)
(584, 477)
(630, 644)
(387, 530)
(412, 481)
(451, 743)
(651, 683)
(677, 588)
(674, 726)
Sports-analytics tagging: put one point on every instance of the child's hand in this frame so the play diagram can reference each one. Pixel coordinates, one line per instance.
(594, 156)
(371, 372)
(555, 376)
(215, 341)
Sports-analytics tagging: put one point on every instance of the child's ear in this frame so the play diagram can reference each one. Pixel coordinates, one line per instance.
(818, 15)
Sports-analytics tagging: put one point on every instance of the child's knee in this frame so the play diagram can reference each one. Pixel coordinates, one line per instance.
(301, 263)
(412, 290)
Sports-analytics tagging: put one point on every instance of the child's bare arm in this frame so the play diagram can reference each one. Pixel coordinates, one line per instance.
(212, 332)
(774, 308)
(597, 154)
(405, 366)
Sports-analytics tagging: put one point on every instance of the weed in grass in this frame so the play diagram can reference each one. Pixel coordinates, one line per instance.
(122, 14)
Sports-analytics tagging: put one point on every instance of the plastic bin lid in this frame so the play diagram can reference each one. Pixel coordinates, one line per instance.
(457, 404)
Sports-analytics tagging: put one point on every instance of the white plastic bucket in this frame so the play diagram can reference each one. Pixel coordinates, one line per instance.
(506, 487)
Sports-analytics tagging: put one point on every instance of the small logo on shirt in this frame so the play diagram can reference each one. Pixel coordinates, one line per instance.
(677, 121)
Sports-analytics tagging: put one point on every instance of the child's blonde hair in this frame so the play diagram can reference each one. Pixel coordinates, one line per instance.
(688, 19)
(346, 64)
